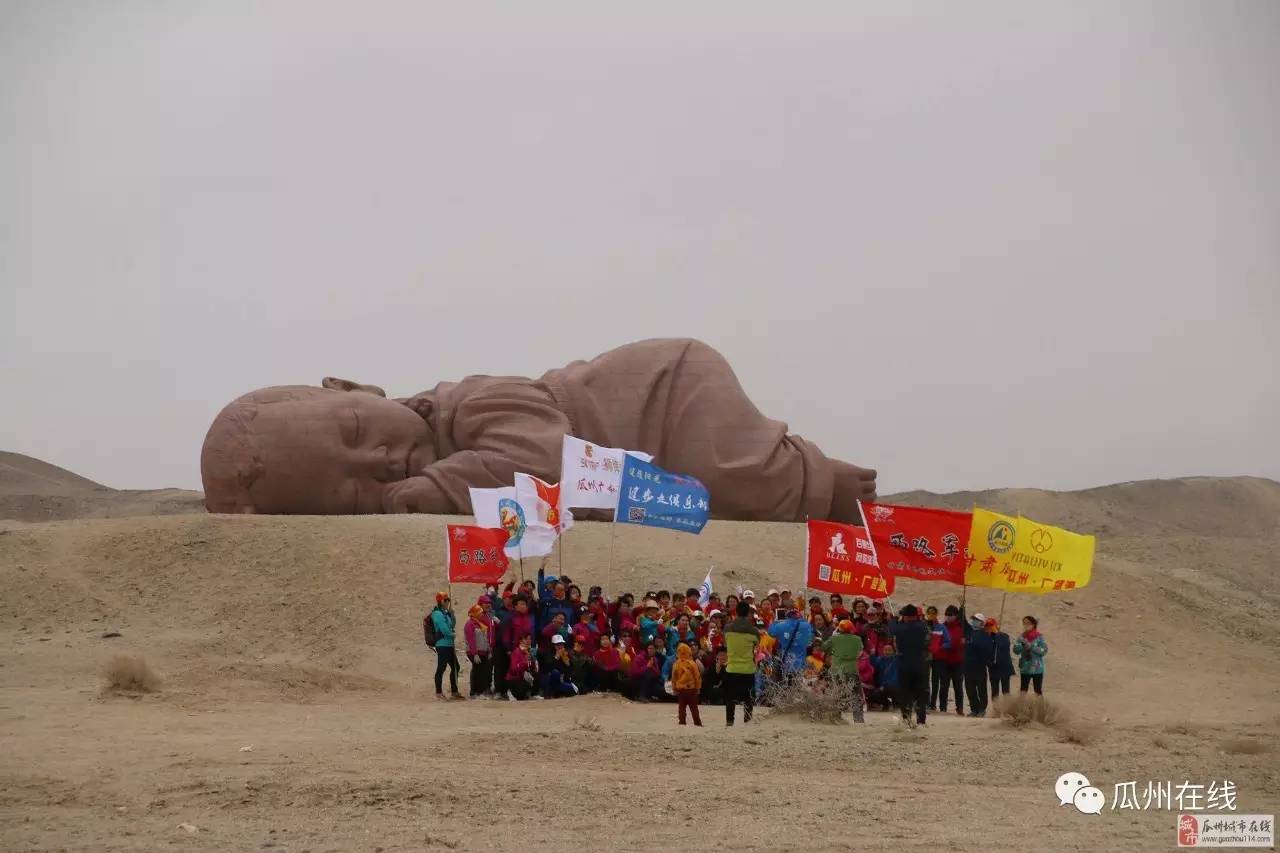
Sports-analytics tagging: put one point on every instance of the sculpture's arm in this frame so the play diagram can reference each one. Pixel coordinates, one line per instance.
(501, 430)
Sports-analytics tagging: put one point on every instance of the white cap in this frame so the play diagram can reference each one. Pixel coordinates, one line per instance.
(770, 592)
(557, 639)
(715, 611)
(748, 594)
(979, 617)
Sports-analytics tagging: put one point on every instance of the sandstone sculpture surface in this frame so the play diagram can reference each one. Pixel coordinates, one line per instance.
(344, 447)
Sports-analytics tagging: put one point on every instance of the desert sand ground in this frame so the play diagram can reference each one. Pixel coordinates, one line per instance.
(300, 638)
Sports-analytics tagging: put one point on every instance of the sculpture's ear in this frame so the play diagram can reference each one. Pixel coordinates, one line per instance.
(333, 383)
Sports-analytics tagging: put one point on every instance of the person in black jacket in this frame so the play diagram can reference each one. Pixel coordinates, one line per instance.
(1001, 668)
(978, 655)
(912, 640)
(501, 654)
(712, 692)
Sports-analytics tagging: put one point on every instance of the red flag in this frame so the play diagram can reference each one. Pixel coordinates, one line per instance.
(920, 543)
(475, 553)
(840, 558)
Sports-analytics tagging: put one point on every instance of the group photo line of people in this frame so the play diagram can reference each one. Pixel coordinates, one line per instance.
(544, 640)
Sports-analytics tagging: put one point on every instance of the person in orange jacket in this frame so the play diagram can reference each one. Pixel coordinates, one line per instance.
(686, 680)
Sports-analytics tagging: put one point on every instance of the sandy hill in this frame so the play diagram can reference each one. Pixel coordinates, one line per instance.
(300, 637)
(33, 490)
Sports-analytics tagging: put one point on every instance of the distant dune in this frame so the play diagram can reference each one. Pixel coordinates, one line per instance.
(33, 490)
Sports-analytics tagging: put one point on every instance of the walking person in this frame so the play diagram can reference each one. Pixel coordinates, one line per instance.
(479, 635)
(741, 636)
(1001, 668)
(1031, 649)
(912, 640)
(442, 622)
(686, 680)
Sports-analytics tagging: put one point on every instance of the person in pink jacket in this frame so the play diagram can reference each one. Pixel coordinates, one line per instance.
(522, 673)
(479, 635)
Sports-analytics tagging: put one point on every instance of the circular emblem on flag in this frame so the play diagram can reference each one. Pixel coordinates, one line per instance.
(511, 517)
(1041, 540)
(553, 517)
(1000, 536)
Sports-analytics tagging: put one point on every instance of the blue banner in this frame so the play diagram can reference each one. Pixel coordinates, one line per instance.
(656, 498)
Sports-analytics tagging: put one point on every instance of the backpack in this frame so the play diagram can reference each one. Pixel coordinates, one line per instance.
(429, 631)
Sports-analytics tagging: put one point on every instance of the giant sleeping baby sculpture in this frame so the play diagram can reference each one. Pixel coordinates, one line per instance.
(345, 447)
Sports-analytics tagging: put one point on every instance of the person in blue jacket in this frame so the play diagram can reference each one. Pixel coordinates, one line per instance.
(442, 622)
(679, 633)
(885, 663)
(552, 599)
(794, 635)
(979, 653)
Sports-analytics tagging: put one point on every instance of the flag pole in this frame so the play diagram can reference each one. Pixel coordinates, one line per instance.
(613, 537)
(1003, 596)
(560, 551)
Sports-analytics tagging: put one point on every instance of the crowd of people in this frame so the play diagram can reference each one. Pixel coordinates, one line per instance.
(544, 640)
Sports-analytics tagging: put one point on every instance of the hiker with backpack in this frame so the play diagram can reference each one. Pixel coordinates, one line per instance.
(438, 631)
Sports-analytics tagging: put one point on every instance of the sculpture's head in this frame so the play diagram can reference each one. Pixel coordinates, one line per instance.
(299, 449)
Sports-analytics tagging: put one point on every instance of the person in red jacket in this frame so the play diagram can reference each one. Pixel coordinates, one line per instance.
(587, 633)
(949, 649)
(607, 665)
(520, 626)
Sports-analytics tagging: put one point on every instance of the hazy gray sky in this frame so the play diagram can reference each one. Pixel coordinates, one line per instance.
(971, 244)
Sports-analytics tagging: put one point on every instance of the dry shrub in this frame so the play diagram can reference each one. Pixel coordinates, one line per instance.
(1183, 728)
(825, 703)
(1019, 709)
(1244, 746)
(586, 724)
(130, 674)
(1022, 709)
(1162, 742)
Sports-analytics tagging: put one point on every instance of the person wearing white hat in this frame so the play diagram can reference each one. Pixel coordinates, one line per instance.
(979, 654)
(749, 596)
(650, 622)
(557, 676)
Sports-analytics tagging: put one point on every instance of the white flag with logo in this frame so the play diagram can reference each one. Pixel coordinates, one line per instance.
(590, 475)
(527, 536)
(546, 497)
(704, 589)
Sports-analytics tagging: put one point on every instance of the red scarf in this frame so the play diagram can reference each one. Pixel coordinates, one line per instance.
(1030, 636)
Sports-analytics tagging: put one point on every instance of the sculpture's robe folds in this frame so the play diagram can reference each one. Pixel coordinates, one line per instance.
(676, 399)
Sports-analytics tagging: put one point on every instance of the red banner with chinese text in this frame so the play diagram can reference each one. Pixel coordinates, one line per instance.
(839, 558)
(475, 553)
(919, 543)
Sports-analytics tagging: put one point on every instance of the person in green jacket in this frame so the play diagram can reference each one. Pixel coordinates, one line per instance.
(1031, 649)
(741, 636)
(845, 646)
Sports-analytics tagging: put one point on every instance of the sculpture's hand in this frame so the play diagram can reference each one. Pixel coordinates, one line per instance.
(421, 405)
(416, 494)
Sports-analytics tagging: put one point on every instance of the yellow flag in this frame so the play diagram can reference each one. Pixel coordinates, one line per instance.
(1021, 555)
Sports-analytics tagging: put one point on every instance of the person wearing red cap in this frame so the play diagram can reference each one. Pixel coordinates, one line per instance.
(442, 622)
